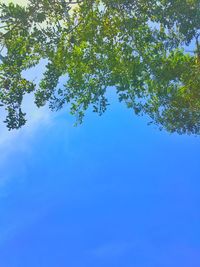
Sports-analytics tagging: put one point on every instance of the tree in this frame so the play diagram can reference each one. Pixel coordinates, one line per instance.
(135, 46)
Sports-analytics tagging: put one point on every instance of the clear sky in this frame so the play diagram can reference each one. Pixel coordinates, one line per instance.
(112, 192)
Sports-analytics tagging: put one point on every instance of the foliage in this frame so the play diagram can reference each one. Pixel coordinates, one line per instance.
(135, 46)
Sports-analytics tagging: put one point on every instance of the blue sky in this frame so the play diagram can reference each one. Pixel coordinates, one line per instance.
(111, 192)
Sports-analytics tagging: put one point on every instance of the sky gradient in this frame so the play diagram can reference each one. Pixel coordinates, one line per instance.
(112, 192)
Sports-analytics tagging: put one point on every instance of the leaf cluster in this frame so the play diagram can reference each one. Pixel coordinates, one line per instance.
(135, 46)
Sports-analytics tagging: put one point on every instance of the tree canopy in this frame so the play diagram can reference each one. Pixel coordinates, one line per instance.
(141, 48)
